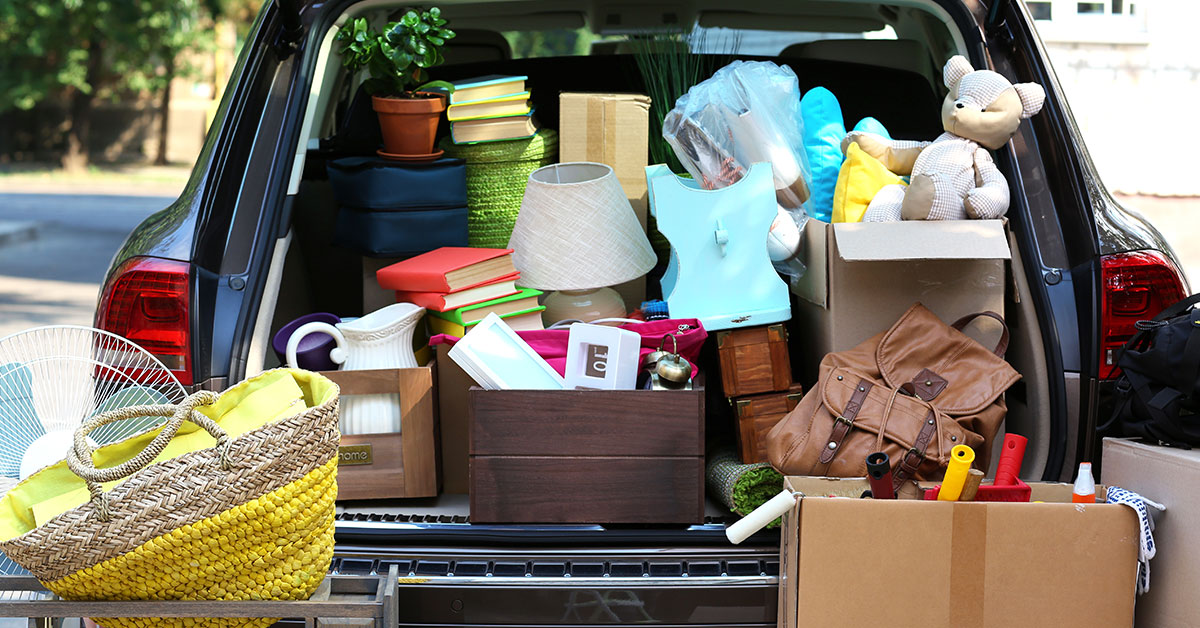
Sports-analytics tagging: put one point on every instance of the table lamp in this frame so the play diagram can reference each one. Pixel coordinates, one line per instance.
(577, 234)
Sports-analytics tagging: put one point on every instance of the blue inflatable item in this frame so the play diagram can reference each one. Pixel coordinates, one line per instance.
(823, 131)
(719, 270)
(871, 125)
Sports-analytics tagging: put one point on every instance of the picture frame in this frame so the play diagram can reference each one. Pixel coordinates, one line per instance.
(498, 359)
(602, 357)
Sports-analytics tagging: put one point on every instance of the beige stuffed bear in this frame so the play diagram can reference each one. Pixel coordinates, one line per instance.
(953, 177)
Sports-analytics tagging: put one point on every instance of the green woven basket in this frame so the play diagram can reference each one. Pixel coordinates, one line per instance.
(496, 176)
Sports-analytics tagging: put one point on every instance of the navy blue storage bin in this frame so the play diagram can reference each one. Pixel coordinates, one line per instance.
(400, 233)
(396, 209)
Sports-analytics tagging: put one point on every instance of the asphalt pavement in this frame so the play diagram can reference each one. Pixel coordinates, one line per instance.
(55, 249)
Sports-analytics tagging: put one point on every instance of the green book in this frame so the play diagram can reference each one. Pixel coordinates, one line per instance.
(526, 299)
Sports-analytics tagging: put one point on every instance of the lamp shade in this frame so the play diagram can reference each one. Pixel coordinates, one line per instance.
(576, 230)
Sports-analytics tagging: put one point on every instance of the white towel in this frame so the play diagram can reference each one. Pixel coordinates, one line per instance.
(1146, 549)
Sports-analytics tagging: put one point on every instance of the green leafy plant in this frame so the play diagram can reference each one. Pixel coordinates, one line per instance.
(397, 58)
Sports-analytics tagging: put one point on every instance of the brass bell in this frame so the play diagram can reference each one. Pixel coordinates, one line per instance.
(673, 370)
(652, 358)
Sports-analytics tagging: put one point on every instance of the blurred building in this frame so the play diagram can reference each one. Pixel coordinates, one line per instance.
(1131, 72)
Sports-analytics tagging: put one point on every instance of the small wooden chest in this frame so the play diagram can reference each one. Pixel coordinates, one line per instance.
(404, 464)
(587, 456)
(756, 415)
(754, 360)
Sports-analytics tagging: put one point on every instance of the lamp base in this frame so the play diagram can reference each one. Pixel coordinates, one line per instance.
(584, 305)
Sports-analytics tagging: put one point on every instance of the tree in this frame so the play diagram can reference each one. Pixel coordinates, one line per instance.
(75, 51)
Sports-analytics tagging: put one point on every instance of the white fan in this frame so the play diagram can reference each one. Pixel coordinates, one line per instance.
(53, 378)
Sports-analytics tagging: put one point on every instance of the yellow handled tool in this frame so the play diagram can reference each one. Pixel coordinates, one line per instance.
(961, 458)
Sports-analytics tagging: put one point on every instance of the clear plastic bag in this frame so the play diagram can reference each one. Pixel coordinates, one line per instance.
(747, 112)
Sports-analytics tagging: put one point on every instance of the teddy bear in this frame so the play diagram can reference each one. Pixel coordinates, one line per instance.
(953, 177)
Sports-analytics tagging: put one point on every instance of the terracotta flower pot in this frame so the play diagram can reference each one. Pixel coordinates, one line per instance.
(409, 125)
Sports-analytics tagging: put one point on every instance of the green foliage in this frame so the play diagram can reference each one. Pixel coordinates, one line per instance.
(397, 57)
(669, 69)
(549, 43)
(46, 46)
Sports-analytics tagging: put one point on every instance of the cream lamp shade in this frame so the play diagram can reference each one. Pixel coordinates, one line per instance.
(576, 231)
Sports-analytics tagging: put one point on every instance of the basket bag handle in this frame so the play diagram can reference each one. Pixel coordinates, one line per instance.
(79, 457)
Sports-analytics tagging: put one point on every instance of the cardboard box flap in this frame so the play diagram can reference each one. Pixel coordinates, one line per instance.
(921, 239)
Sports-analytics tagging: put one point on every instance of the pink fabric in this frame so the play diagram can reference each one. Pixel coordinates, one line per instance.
(551, 344)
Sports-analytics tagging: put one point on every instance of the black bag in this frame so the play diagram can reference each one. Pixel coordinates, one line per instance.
(1158, 393)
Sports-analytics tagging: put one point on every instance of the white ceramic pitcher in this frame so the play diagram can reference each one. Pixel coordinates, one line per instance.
(380, 340)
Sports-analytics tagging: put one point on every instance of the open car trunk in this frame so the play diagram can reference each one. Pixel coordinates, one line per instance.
(896, 81)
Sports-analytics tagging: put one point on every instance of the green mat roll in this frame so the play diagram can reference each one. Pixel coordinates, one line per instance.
(496, 176)
(741, 487)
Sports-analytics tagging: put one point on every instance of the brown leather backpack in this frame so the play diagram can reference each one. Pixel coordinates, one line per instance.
(913, 392)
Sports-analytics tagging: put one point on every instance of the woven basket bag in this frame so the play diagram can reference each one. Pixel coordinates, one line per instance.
(251, 518)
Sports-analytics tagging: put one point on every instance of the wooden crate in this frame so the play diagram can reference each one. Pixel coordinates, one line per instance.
(363, 600)
(754, 360)
(377, 466)
(756, 415)
(587, 456)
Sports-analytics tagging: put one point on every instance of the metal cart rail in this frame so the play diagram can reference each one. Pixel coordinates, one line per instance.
(340, 600)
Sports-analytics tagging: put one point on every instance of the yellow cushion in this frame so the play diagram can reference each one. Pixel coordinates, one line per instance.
(860, 178)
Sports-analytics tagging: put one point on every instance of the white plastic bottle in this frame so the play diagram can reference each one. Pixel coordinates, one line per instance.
(1085, 485)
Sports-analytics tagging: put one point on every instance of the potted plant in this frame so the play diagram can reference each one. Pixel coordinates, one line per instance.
(397, 59)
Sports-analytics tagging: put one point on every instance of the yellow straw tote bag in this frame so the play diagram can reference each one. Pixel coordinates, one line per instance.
(231, 499)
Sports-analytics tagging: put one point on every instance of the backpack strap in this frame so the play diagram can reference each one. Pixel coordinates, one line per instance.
(1002, 345)
(1178, 308)
(1190, 364)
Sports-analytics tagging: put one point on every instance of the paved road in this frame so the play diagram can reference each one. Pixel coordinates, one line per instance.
(55, 276)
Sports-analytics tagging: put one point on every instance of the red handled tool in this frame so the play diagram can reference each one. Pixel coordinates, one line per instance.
(1012, 453)
(879, 474)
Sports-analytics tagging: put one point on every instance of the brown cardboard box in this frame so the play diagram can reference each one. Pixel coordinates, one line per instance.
(453, 384)
(862, 562)
(1170, 477)
(862, 276)
(612, 129)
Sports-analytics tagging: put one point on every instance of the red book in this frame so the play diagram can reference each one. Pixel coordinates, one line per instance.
(446, 301)
(448, 269)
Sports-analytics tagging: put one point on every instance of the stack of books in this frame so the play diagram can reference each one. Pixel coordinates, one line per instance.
(490, 108)
(460, 286)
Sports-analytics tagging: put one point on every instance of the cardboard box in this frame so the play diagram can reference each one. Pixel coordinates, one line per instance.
(587, 456)
(1170, 477)
(863, 562)
(379, 466)
(862, 276)
(612, 129)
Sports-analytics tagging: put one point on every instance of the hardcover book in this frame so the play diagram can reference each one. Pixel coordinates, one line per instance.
(485, 87)
(519, 302)
(448, 269)
(525, 320)
(493, 129)
(446, 301)
(510, 105)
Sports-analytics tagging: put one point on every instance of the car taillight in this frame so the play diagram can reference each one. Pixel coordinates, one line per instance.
(146, 301)
(1136, 286)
